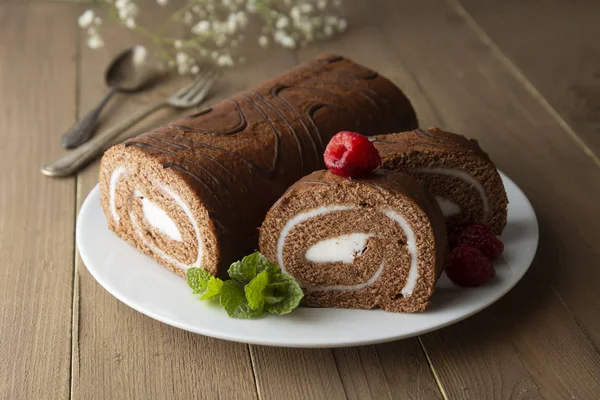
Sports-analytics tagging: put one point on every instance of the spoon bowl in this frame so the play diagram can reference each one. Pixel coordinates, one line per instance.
(131, 70)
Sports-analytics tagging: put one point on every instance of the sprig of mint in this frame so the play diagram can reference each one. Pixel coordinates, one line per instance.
(256, 286)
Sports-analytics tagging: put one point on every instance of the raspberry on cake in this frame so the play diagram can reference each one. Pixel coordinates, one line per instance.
(365, 242)
(351, 154)
(456, 170)
(192, 193)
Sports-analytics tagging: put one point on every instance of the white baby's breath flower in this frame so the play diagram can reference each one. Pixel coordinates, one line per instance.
(282, 22)
(178, 44)
(322, 4)
(295, 13)
(162, 3)
(201, 27)
(242, 18)
(263, 41)
(98, 21)
(181, 58)
(130, 23)
(214, 55)
(232, 23)
(225, 60)
(251, 6)
(195, 69)
(95, 42)
(203, 52)
(86, 19)
(337, 3)
(306, 8)
(328, 30)
(284, 39)
(342, 25)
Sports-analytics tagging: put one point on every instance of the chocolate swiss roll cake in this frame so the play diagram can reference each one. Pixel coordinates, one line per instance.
(193, 193)
(456, 171)
(358, 243)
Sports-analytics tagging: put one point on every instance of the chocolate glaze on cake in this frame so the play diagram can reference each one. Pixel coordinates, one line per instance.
(192, 194)
(455, 169)
(358, 243)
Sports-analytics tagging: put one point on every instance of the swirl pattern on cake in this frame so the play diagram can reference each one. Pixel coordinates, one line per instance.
(358, 243)
(456, 170)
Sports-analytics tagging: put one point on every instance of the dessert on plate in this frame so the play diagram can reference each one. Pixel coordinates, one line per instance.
(455, 169)
(192, 193)
(376, 240)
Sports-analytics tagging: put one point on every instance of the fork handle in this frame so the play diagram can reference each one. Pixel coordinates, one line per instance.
(81, 156)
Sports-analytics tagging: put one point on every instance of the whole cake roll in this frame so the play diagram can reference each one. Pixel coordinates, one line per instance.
(358, 243)
(456, 170)
(193, 193)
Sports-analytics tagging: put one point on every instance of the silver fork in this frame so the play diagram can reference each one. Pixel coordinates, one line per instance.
(189, 96)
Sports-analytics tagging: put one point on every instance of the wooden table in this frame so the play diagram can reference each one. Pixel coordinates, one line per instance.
(522, 77)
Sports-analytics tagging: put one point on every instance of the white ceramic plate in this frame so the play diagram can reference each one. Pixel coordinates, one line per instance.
(144, 285)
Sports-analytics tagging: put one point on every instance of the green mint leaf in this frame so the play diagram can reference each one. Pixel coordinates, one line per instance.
(255, 291)
(291, 294)
(233, 299)
(213, 288)
(197, 279)
(250, 266)
(244, 311)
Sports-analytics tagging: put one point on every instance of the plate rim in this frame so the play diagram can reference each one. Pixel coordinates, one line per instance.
(236, 337)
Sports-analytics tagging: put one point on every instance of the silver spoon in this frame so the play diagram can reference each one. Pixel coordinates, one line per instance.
(130, 71)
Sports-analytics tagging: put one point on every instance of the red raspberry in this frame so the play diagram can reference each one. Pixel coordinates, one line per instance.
(479, 235)
(350, 154)
(466, 266)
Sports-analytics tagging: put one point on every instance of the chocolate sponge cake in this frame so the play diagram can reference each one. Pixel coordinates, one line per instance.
(192, 194)
(358, 243)
(455, 169)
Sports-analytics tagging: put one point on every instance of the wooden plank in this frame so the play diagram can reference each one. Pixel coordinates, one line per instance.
(140, 357)
(555, 45)
(283, 373)
(474, 93)
(37, 86)
(460, 84)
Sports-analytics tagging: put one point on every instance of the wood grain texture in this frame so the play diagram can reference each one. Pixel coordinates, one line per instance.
(470, 91)
(119, 353)
(554, 43)
(283, 373)
(37, 81)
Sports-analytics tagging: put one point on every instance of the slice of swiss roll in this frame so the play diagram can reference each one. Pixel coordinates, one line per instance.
(358, 243)
(455, 169)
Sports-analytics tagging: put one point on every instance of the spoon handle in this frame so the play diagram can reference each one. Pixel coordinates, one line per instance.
(83, 129)
(78, 158)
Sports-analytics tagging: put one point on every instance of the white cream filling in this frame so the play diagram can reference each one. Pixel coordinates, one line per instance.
(449, 208)
(114, 179)
(300, 218)
(411, 245)
(158, 219)
(342, 248)
(466, 178)
(351, 242)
